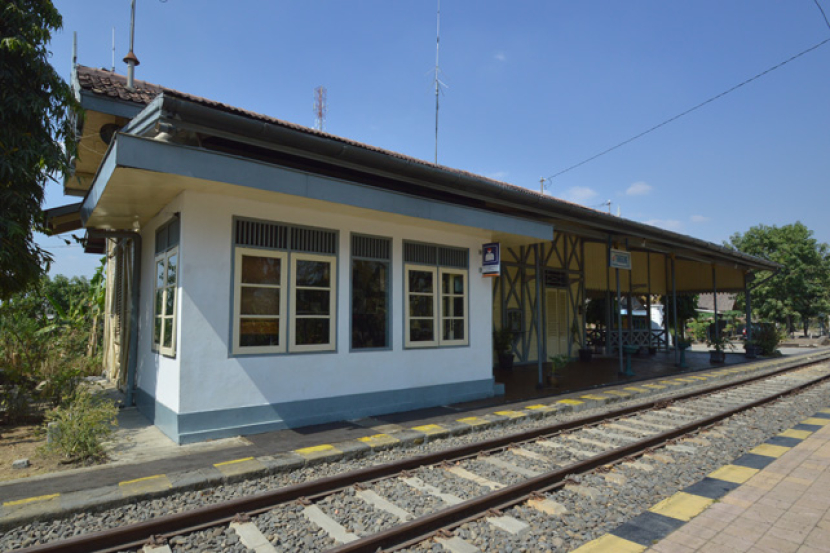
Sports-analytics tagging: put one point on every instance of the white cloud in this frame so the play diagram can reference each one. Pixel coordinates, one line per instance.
(699, 218)
(579, 194)
(499, 56)
(666, 224)
(638, 189)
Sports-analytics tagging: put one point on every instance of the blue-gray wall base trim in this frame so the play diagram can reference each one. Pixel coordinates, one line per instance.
(195, 427)
(164, 418)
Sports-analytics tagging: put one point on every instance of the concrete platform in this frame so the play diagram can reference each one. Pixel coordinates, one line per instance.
(774, 499)
(147, 463)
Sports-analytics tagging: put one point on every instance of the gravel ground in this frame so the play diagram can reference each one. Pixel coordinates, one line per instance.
(602, 505)
(40, 532)
(288, 531)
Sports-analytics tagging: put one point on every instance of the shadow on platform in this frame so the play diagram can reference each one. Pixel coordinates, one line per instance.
(522, 382)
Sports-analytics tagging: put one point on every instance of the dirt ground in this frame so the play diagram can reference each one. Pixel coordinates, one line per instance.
(21, 442)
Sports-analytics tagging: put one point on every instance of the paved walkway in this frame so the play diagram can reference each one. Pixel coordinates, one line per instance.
(773, 499)
(782, 508)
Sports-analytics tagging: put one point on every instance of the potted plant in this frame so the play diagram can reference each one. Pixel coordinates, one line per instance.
(557, 362)
(503, 346)
(719, 343)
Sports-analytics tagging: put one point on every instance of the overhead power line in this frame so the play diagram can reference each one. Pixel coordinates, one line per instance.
(690, 110)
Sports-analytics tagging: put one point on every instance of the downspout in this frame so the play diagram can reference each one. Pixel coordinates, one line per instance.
(132, 356)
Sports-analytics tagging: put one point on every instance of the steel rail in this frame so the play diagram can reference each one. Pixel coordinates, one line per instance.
(417, 530)
(136, 534)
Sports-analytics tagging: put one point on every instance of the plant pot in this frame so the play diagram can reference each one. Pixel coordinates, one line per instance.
(506, 361)
(585, 355)
(716, 356)
(752, 351)
(652, 350)
(552, 380)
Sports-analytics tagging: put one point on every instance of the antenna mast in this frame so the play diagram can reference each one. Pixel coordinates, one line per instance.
(320, 108)
(438, 83)
(113, 49)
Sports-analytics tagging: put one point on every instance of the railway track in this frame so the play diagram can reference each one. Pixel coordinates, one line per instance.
(455, 486)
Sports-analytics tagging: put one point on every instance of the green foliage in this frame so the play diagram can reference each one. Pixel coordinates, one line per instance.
(80, 426)
(558, 362)
(767, 338)
(686, 309)
(699, 328)
(801, 289)
(44, 343)
(36, 112)
(502, 340)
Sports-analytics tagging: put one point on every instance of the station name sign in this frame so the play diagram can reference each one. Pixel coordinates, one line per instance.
(491, 259)
(620, 260)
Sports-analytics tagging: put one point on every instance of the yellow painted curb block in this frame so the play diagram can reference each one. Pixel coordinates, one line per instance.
(156, 483)
(597, 397)
(473, 421)
(31, 500)
(610, 544)
(816, 421)
(797, 434)
(379, 440)
(769, 450)
(537, 406)
(316, 451)
(429, 429)
(682, 506)
(734, 474)
(635, 389)
(233, 462)
(511, 414)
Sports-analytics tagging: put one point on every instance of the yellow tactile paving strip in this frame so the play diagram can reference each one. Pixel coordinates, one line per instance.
(685, 507)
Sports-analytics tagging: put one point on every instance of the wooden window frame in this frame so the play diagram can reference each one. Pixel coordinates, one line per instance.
(241, 251)
(164, 319)
(332, 316)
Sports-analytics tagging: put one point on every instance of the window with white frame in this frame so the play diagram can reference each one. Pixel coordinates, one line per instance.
(285, 286)
(437, 295)
(166, 284)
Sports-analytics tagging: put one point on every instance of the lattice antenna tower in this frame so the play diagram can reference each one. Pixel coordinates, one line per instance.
(320, 108)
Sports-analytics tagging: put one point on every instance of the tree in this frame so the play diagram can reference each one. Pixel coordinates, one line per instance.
(686, 309)
(801, 289)
(36, 111)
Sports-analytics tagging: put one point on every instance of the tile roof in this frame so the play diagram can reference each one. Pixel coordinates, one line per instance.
(106, 83)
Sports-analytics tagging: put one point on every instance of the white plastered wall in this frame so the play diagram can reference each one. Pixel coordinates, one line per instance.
(212, 379)
(156, 374)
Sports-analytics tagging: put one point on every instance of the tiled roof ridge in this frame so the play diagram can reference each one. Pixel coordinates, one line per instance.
(108, 83)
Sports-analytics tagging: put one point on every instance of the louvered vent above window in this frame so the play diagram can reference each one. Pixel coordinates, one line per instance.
(371, 247)
(261, 235)
(313, 240)
(453, 257)
(420, 253)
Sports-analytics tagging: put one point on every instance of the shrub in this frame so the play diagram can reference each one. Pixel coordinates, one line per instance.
(81, 426)
(767, 338)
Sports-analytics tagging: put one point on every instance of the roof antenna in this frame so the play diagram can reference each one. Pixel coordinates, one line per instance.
(320, 108)
(130, 59)
(113, 50)
(438, 83)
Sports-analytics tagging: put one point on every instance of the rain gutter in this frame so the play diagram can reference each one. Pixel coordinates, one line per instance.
(219, 120)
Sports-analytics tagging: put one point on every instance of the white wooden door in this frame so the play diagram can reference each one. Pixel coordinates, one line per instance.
(556, 323)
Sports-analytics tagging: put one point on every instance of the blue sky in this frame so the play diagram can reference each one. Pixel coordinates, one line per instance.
(534, 87)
